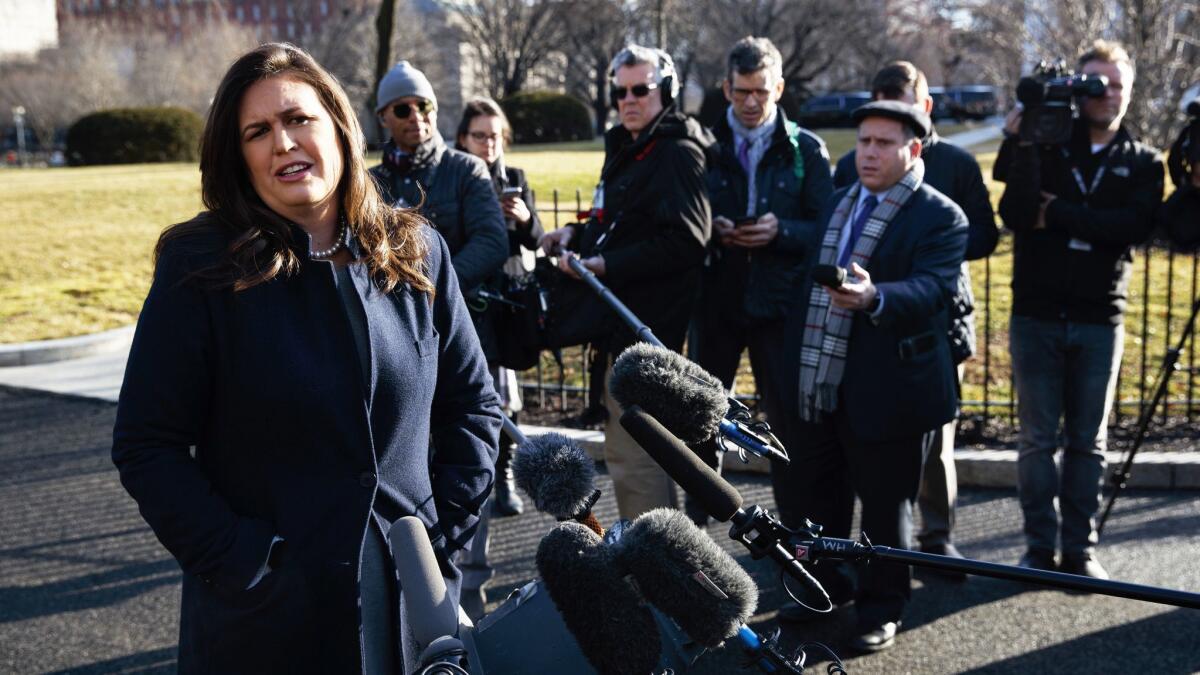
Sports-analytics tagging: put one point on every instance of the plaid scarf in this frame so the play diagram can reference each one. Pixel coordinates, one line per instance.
(827, 326)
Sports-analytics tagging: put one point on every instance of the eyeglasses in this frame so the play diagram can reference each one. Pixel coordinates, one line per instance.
(740, 95)
(484, 137)
(639, 91)
(403, 110)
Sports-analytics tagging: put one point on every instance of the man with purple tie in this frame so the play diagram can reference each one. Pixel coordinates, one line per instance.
(767, 185)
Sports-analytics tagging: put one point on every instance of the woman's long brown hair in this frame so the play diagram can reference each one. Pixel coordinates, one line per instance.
(260, 240)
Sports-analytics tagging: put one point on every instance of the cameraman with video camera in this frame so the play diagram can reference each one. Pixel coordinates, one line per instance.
(1181, 212)
(1080, 194)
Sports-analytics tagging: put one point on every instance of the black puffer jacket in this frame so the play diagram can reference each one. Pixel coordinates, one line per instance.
(793, 182)
(954, 172)
(654, 224)
(1077, 268)
(455, 193)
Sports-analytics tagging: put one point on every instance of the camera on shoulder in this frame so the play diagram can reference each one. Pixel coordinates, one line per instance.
(1048, 96)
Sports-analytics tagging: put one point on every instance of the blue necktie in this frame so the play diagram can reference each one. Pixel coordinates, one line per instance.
(856, 229)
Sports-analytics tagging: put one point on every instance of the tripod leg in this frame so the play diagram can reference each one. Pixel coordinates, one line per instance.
(1170, 362)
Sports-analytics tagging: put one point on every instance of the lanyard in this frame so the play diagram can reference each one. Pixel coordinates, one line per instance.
(1085, 190)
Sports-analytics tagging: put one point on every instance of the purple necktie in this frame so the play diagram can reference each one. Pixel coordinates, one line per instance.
(856, 229)
(744, 156)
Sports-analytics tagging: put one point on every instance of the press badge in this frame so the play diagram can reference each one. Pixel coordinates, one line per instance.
(598, 198)
(1079, 245)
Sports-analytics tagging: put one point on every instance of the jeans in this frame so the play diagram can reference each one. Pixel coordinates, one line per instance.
(1064, 371)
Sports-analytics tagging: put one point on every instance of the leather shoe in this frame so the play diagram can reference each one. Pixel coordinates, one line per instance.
(1083, 564)
(1038, 559)
(948, 550)
(876, 639)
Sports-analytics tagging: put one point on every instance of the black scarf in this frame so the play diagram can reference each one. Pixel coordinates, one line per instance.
(403, 163)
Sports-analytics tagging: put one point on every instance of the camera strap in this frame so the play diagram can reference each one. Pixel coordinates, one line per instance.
(1085, 190)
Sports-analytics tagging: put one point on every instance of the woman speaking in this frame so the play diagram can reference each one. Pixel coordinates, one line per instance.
(304, 373)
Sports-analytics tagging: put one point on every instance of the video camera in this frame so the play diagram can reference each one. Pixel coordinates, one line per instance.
(1185, 151)
(1048, 97)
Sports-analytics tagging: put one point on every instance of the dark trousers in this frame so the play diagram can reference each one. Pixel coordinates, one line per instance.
(716, 343)
(829, 467)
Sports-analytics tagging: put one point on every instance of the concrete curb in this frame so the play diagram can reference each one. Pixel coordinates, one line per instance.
(975, 468)
(62, 349)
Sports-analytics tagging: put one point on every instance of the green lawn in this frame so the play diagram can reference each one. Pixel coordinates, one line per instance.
(80, 241)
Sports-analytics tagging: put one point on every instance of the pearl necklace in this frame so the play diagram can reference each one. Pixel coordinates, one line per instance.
(338, 242)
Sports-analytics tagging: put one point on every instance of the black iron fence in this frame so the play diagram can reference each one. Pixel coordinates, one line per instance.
(1164, 287)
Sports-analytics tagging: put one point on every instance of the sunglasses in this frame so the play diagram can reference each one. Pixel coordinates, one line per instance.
(639, 90)
(403, 110)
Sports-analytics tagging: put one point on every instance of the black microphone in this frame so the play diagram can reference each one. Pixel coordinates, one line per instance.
(684, 573)
(559, 477)
(614, 629)
(433, 613)
(1193, 108)
(760, 533)
(830, 276)
(688, 400)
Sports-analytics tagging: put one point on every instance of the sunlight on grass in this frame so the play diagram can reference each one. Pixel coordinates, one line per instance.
(82, 238)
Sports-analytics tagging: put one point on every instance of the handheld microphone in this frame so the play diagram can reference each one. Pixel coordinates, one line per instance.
(830, 276)
(560, 477)
(682, 572)
(614, 628)
(756, 529)
(433, 612)
(688, 400)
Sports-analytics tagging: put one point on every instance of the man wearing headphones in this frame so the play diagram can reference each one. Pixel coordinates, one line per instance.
(645, 239)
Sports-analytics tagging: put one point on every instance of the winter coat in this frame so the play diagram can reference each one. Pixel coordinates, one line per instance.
(244, 416)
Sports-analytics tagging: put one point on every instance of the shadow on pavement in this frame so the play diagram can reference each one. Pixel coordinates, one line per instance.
(156, 662)
(1165, 643)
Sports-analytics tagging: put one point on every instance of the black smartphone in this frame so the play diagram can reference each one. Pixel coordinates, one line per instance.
(829, 276)
(745, 220)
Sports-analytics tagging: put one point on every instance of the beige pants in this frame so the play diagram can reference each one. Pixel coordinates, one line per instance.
(638, 482)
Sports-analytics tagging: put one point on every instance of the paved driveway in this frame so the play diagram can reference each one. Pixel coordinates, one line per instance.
(85, 587)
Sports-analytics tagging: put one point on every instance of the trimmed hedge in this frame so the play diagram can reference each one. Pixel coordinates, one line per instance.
(134, 135)
(547, 117)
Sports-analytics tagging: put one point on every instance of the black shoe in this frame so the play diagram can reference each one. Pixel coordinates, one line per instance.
(506, 501)
(947, 549)
(474, 603)
(1038, 559)
(876, 639)
(1083, 564)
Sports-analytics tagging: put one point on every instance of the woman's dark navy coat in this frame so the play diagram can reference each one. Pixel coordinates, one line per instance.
(290, 441)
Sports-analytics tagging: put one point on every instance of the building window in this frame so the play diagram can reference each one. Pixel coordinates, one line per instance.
(324, 8)
(256, 12)
(272, 11)
(291, 11)
(291, 30)
(240, 13)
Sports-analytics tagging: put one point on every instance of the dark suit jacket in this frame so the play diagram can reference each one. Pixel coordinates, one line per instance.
(289, 440)
(885, 395)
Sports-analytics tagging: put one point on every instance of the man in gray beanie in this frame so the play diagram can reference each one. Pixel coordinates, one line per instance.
(454, 191)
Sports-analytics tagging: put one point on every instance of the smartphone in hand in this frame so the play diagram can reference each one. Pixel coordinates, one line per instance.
(829, 276)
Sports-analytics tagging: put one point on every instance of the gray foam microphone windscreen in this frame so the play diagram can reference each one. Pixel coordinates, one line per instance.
(614, 629)
(557, 474)
(686, 399)
(687, 576)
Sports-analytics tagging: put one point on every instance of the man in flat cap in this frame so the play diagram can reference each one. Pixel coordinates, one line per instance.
(873, 376)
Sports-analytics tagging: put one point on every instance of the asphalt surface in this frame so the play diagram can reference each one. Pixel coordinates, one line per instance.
(86, 588)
